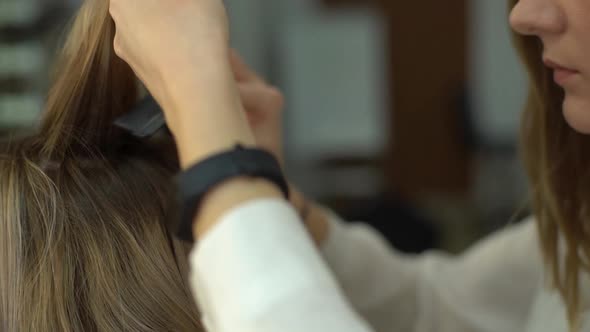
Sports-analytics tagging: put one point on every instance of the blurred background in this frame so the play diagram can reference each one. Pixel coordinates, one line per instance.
(401, 114)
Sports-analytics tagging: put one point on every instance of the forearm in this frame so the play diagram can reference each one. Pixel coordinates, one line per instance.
(203, 110)
(210, 91)
(228, 196)
(258, 271)
(235, 192)
(191, 100)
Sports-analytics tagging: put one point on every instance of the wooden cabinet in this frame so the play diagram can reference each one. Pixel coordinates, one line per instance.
(429, 152)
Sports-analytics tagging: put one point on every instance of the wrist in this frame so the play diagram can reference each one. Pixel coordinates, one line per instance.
(199, 81)
(229, 195)
(196, 142)
(182, 71)
(204, 111)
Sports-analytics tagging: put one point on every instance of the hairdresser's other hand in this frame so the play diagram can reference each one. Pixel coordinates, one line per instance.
(264, 108)
(263, 104)
(180, 50)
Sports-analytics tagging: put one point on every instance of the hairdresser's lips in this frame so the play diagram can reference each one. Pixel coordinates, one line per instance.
(562, 75)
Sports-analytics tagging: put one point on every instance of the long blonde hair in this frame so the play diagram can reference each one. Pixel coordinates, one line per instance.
(83, 207)
(558, 166)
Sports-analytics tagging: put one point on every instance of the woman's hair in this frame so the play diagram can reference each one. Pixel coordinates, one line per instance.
(83, 240)
(557, 159)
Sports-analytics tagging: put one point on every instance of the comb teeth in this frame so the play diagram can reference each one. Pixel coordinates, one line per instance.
(144, 120)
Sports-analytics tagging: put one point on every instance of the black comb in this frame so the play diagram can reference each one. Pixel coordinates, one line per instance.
(144, 120)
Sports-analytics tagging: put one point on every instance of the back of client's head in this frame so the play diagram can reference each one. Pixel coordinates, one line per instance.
(83, 241)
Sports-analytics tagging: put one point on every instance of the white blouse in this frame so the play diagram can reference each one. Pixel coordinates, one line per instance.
(259, 271)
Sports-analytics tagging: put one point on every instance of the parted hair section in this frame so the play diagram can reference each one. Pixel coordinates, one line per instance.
(84, 207)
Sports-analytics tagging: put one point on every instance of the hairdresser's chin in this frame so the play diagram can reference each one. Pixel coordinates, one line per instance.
(576, 109)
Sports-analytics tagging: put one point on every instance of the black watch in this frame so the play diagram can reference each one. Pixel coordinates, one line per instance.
(194, 183)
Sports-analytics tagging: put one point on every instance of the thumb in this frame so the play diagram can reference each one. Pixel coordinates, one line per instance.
(260, 98)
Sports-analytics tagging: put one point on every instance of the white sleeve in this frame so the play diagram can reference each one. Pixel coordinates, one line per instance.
(258, 271)
(490, 288)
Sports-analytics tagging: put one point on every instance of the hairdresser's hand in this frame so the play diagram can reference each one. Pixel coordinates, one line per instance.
(263, 104)
(157, 37)
(180, 50)
(156, 33)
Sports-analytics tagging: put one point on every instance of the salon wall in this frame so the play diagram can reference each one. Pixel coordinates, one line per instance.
(28, 33)
(443, 151)
(498, 87)
(498, 81)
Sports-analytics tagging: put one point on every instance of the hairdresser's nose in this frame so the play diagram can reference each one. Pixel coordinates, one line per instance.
(538, 18)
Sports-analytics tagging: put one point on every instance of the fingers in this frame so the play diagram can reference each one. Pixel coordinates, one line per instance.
(241, 70)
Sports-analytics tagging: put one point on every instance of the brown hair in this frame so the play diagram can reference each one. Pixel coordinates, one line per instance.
(83, 241)
(558, 165)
